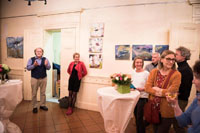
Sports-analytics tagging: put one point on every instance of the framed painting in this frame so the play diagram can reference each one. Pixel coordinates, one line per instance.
(161, 48)
(14, 47)
(144, 51)
(96, 45)
(97, 30)
(95, 61)
(122, 52)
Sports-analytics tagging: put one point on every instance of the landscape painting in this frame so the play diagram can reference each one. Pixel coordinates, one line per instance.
(122, 52)
(161, 48)
(144, 51)
(14, 47)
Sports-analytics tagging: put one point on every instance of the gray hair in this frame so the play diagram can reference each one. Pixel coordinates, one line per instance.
(156, 53)
(184, 52)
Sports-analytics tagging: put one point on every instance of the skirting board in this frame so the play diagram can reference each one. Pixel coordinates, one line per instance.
(87, 106)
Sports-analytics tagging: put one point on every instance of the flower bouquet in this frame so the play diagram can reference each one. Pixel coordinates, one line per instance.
(4, 69)
(123, 82)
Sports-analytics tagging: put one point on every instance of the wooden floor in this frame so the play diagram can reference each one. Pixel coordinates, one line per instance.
(56, 121)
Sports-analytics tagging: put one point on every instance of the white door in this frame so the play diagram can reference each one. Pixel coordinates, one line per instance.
(187, 35)
(32, 40)
(68, 47)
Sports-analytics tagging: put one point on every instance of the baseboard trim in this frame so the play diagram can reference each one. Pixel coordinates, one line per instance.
(87, 106)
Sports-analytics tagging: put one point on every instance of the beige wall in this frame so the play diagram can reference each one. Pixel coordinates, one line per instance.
(134, 24)
(126, 22)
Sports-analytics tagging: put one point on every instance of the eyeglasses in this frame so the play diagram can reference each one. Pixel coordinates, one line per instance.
(169, 59)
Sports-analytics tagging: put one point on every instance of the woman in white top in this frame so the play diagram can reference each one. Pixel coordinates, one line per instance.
(139, 77)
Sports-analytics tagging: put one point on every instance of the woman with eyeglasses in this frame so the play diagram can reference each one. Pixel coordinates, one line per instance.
(191, 115)
(161, 81)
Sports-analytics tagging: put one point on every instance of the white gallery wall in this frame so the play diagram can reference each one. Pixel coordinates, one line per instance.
(125, 22)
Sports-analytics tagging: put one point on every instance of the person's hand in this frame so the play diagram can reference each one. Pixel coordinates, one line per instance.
(158, 91)
(35, 63)
(156, 88)
(172, 98)
(45, 62)
(140, 89)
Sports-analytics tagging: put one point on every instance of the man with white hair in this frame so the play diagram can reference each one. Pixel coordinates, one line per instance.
(154, 63)
(38, 66)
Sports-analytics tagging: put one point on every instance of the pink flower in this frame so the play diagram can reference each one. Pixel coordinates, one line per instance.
(120, 78)
(1, 70)
(118, 75)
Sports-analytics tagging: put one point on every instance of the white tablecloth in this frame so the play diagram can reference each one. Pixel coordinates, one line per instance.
(116, 108)
(10, 97)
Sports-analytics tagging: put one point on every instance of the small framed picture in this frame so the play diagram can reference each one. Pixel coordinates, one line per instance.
(122, 52)
(145, 51)
(95, 61)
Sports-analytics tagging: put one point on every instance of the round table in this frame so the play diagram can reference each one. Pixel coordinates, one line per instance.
(116, 108)
(10, 97)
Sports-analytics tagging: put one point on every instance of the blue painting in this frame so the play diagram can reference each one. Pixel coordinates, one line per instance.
(161, 48)
(15, 47)
(144, 51)
(122, 52)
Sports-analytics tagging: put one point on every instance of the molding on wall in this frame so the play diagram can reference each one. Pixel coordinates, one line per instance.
(87, 106)
(41, 14)
(194, 2)
(97, 80)
(196, 13)
(17, 72)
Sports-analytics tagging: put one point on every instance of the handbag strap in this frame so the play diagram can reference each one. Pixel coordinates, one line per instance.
(167, 80)
(157, 99)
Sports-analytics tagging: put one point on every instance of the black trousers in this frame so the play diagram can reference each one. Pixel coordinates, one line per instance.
(139, 114)
(165, 125)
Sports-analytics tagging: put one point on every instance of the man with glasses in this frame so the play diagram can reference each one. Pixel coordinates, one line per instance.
(182, 55)
(38, 66)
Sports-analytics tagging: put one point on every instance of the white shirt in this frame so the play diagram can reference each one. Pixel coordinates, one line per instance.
(139, 80)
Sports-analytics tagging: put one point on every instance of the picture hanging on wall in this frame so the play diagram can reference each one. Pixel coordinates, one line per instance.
(122, 52)
(97, 30)
(14, 47)
(96, 45)
(161, 48)
(144, 51)
(95, 61)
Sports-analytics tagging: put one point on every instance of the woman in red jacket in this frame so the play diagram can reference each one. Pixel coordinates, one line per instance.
(77, 71)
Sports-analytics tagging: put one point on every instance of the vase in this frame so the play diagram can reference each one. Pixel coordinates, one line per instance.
(123, 89)
(3, 78)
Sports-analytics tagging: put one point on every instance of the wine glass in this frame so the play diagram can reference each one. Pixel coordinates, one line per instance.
(172, 94)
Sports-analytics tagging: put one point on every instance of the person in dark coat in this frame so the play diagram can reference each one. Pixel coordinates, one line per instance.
(182, 55)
